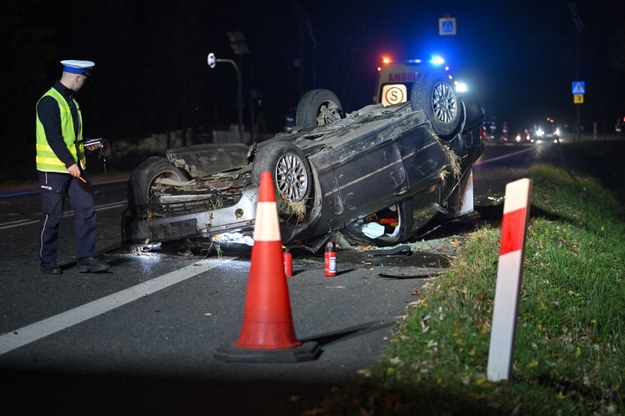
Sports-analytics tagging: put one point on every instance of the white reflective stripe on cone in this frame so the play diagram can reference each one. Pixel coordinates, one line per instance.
(267, 227)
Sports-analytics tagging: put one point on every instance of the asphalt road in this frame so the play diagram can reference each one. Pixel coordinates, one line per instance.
(142, 338)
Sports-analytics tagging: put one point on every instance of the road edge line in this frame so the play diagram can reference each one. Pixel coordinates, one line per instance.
(30, 333)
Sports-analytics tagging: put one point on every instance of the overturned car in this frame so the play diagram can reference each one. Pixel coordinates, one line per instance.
(376, 175)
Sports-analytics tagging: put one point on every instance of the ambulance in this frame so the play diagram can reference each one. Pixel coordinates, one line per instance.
(395, 79)
(426, 85)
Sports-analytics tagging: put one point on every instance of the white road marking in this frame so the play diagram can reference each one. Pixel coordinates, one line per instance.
(19, 223)
(493, 159)
(38, 330)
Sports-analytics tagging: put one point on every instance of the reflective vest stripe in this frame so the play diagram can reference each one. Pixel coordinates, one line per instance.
(46, 157)
(50, 161)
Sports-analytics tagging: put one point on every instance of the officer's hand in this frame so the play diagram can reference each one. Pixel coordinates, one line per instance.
(74, 170)
(93, 147)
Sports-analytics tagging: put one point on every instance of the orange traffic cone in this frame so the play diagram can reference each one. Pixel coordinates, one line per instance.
(267, 334)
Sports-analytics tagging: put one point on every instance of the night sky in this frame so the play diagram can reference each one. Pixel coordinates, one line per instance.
(151, 73)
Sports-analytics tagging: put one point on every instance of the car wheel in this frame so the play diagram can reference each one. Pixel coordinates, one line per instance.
(436, 95)
(318, 107)
(143, 182)
(292, 177)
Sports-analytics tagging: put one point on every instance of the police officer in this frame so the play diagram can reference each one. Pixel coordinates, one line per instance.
(61, 165)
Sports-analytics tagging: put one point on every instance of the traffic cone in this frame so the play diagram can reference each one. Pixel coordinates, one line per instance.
(267, 334)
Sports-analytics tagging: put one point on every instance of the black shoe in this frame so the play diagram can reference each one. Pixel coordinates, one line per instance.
(91, 265)
(50, 268)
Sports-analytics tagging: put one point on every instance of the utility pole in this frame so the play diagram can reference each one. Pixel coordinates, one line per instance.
(304, 24)
(579, 25)
(239, 47)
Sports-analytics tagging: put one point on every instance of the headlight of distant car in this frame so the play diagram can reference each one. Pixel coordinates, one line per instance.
(540, 133)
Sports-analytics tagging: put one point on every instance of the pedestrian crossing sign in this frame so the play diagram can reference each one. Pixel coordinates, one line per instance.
(578, 87)
(447, 26)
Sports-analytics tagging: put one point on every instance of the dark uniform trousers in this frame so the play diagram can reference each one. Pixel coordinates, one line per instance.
(53, 188)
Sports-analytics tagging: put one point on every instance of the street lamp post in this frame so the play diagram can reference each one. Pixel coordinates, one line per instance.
(212, 61)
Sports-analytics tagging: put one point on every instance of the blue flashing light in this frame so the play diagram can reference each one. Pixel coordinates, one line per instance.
(437, 60)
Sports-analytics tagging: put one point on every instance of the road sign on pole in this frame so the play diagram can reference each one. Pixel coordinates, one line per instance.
(578, 98)
(447, 26)
(578, 87)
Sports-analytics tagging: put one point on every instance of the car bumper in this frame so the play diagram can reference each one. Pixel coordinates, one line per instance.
(143, 230)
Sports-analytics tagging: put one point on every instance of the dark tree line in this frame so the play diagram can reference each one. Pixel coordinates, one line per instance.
(151, 74)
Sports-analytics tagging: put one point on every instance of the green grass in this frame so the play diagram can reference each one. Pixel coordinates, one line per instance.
(570, 348)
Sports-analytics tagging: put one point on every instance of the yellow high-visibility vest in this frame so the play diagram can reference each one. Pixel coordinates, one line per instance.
(46, 159)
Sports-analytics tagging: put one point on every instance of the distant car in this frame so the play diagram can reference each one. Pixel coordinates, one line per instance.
(377, 175)
(523, 137)
(545, 132)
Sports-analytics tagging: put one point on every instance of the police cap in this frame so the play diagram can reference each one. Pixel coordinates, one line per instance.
(77, 67)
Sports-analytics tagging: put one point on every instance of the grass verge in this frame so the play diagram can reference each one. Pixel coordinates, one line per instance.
(570, 348)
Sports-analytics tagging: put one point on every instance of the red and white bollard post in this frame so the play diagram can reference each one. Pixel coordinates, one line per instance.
(509, 276)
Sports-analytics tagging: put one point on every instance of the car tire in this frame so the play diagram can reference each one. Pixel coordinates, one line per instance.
(318, 107)
(436, 95)
(142, 180)
(291, 175)
(473, 112)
